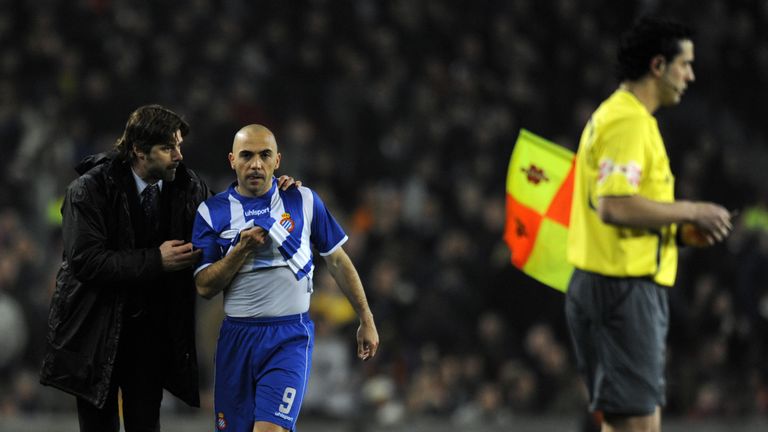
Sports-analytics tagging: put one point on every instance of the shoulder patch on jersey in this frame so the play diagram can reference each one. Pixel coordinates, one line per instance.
(631, 171)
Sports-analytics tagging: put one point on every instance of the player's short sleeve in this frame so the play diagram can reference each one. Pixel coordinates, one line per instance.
(621, 157)
(327, 235)
(204, 237)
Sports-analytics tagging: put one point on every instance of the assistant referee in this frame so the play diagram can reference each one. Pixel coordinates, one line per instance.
(624, 230)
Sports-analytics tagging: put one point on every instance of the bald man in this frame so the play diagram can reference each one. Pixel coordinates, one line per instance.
(256, 248)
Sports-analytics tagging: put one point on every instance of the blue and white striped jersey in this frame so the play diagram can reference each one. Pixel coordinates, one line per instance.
(296, 219)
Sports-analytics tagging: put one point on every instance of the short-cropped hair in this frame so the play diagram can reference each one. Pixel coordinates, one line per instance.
(648, 38)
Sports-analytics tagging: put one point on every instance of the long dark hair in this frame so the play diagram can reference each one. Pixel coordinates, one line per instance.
(149, 125)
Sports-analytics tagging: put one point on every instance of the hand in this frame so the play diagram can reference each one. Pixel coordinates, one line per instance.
(252, 238)
(692, 236)
(712, 221)
(367, 340)
(178, 255)
(284, 182)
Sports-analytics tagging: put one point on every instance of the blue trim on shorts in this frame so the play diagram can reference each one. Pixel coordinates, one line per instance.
(261, 321)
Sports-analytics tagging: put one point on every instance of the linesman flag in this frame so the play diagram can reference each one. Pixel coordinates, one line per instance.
(539, 191)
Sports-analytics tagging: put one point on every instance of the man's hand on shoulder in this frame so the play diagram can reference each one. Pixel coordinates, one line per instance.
(285, 182)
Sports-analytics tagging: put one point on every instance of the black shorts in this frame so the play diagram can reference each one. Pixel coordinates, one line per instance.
(619, 328)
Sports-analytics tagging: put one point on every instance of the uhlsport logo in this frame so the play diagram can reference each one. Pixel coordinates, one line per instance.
(287, 223)
(256, 212)
(221, 423)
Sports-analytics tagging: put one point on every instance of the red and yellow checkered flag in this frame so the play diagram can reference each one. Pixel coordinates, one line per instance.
(539, 191)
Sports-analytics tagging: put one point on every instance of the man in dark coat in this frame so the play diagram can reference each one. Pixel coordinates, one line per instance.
(122, 315)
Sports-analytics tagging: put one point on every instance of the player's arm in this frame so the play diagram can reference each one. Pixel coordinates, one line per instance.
(635, 211)
(345, 275)
(213, 279)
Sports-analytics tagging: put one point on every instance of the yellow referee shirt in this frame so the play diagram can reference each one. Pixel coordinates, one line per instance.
(621, 153)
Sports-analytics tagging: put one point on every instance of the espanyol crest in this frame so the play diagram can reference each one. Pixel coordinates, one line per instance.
(221, 423)
(287, 223)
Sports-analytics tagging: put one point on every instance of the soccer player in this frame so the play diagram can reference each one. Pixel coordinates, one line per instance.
(256, 243)
(624, 229)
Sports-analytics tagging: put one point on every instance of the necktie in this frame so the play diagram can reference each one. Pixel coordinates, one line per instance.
(149, 198)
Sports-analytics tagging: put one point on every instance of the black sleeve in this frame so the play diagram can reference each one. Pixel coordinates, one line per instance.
(85, 234)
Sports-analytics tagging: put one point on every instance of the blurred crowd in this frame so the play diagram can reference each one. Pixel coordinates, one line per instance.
(402, 114)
